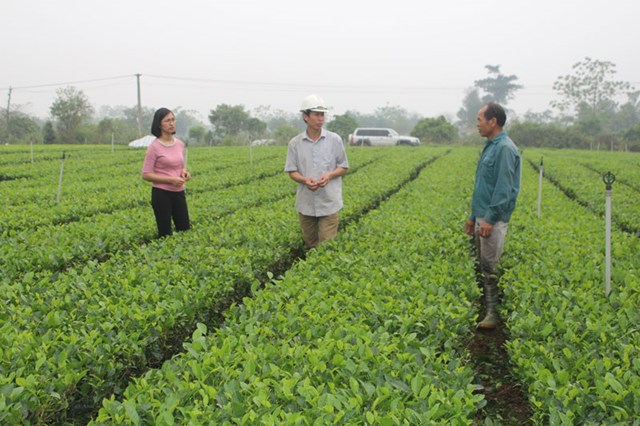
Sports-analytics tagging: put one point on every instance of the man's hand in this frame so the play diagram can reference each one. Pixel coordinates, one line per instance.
(324, 179)
(470, 228)
(485, 229)
(311, 183)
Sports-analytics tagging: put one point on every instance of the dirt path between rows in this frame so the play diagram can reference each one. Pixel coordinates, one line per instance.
(507, 402)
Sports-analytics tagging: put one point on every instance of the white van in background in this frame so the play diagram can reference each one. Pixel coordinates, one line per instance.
(370, 136)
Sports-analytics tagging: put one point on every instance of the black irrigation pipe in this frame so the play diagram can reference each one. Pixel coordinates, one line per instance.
(28, 161)
(6, 178)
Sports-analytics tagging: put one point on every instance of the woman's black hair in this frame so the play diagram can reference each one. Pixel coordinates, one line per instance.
(157, 118)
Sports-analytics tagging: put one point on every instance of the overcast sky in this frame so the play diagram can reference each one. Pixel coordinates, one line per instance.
(359, 55)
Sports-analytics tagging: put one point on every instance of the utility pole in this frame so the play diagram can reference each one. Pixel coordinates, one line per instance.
(8, 117)
(139, 108)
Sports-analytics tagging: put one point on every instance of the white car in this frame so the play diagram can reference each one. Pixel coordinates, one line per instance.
(370, 136)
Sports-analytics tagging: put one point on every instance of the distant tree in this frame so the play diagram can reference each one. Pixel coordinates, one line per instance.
(232, 125)
(544, 117)
(71, 109)
(589, 123)
(530, 134)
(88, 133)
(498, 87)
(197, 135)
(121, 122)
(396, 117)
(20, 128)
(146, 118)
(48, 133)
(276, 118)
(284, 134)
(119, 129)
(631, 136)
(264, 112)
(228, 120)
(185, 119)
(255, 127)
(591, 84)
(210, 138)
(435, 130)
(105, 130)
(343, 125)
(574, 138)
(628, 115)
(467, 114)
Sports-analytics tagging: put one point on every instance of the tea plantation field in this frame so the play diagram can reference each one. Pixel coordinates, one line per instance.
(232, 323)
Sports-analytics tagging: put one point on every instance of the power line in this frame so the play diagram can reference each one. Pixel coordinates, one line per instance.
(528, 91)
(303, 86)
(272, 85)
(71, 82)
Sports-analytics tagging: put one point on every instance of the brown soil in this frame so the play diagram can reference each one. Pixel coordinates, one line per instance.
(507, 402)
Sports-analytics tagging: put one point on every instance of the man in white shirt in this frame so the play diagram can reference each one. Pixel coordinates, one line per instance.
(316, 160)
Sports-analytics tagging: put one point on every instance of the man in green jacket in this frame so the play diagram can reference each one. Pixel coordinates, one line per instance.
(494, 199)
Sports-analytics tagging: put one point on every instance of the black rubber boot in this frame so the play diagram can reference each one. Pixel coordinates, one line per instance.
(490, 320)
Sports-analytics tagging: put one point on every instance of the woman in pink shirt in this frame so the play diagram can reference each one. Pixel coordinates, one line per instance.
(164, 167)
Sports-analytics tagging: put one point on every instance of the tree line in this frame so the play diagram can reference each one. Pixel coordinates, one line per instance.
(587, 114)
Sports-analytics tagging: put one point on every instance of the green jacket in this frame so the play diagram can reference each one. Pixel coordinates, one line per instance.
(497, 180)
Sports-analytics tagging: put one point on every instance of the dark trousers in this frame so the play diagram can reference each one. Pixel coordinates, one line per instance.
(169, 205)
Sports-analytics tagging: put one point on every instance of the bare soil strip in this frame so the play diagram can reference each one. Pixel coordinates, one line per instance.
(507, 402)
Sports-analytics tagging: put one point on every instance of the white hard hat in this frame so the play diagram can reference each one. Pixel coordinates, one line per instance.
(313, 103)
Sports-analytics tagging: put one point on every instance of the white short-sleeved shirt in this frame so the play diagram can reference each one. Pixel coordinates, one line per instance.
(313, 159)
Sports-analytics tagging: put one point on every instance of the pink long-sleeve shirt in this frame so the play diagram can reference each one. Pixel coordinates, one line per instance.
(165, 161)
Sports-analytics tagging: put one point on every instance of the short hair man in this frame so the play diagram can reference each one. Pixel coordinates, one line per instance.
(494, 198)
(316, 160)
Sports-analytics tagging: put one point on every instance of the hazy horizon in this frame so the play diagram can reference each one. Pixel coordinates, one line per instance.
(356, 55)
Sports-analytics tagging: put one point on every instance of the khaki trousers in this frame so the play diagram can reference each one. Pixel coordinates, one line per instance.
(489, 249)
(317, 229)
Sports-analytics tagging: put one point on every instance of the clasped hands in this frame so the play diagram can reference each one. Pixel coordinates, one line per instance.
(180, 180)
(313, 184)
